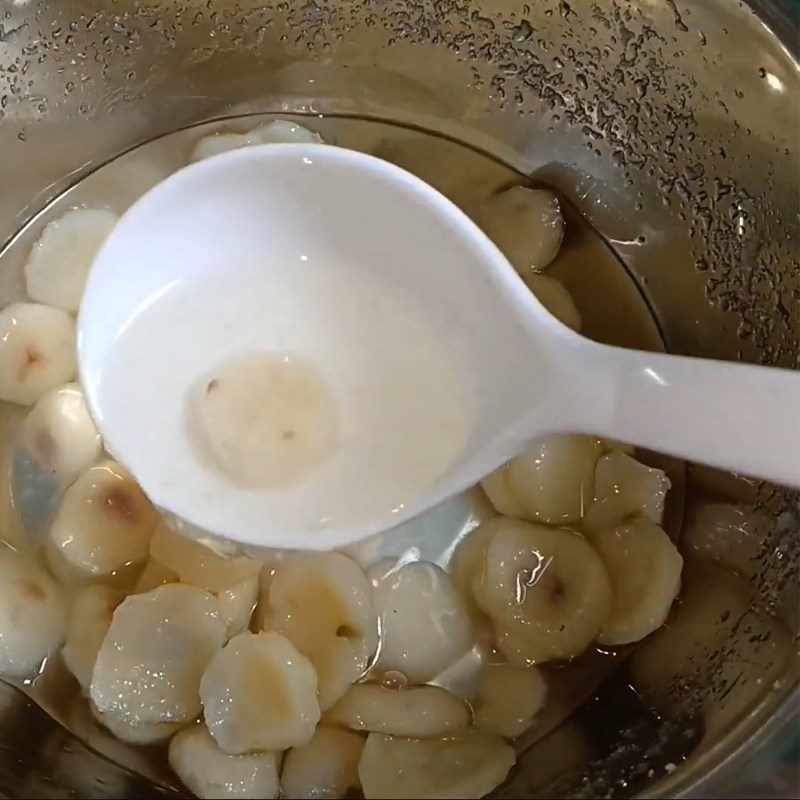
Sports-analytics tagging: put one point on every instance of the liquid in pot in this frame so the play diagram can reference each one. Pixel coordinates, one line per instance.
(437, 643)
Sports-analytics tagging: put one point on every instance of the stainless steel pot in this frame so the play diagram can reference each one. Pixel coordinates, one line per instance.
(672, 125)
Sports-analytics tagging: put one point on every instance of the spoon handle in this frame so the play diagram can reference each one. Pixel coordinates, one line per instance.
(737, 417)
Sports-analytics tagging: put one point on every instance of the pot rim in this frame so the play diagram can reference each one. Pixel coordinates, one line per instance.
(712, 769)
(779, 23)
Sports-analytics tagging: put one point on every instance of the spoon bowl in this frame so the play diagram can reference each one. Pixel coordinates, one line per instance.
(418, 359)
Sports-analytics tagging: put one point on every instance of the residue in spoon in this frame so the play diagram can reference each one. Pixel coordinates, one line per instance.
(265, 420)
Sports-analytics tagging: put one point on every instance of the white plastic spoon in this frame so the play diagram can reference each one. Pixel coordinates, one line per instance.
(301, 345)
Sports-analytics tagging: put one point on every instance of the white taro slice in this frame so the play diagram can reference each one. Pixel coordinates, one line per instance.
(325, 767)
(159, 644)
(469, 765)
(260, 693)
(210, 773)
(322, 602)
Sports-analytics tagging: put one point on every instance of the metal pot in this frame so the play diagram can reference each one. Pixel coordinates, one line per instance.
(670, 124)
